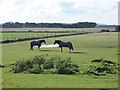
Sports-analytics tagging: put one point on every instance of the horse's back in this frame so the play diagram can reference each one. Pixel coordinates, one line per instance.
(35, 43)
(65, 44)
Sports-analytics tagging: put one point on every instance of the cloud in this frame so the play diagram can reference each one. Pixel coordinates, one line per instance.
(66, 11)
(41, 7)
(92, 10)
(6, 7)
(29, 7)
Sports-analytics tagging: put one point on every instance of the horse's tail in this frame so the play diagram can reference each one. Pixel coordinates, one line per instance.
(72, 46)
(31, 46)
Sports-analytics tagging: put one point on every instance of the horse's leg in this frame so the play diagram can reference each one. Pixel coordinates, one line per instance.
(69, 50)
(38, 47)
(61, 49)
(31, 47)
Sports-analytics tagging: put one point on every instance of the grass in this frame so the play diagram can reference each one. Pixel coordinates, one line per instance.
(9, 36)
(86, 48)
(58, 81)
(14, 35)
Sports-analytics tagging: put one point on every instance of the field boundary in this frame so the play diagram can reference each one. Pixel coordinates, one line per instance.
(41, 37)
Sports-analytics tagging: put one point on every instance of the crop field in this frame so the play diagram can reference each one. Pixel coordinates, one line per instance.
(56, 29)
(86, 48)
(19, 33)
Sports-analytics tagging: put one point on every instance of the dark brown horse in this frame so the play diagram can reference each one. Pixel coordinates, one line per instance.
(36, 43)
(64, 44)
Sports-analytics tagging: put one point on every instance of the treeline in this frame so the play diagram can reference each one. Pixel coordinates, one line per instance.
(118, 28)
(106, 26)
(48, 25)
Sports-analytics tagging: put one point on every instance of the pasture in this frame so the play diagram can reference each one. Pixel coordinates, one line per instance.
(14, 36)
(86, 48)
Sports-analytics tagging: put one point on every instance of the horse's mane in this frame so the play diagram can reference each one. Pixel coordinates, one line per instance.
(41, 40)
(57, 40)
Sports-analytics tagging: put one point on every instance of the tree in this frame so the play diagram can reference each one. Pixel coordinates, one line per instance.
(117, 28)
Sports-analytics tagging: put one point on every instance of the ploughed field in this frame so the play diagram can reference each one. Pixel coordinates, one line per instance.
(86, 48)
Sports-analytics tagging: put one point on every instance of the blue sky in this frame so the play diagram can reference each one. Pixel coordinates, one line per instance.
(59, 11)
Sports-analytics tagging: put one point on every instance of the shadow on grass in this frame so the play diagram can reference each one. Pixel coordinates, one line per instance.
(39, 50)
(46, 50)
(78, 52)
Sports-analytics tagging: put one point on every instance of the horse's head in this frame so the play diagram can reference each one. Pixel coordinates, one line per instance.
(57, 41)
(42, 41)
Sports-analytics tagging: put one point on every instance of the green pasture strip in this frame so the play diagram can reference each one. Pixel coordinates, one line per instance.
(58, 81)
(24, 32)
(9, 36)
(86, 48)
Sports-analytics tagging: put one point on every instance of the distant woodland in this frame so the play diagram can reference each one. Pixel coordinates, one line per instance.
(48, 25)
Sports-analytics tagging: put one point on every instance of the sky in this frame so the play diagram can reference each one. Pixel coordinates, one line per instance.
(59, 11)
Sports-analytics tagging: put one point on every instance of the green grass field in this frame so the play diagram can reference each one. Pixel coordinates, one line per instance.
(9, 36)
(86, 48)
(23, 32)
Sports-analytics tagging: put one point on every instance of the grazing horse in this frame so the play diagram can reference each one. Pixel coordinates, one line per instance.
(36, 43)
(64, 44)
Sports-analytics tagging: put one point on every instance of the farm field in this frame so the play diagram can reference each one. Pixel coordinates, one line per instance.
(17, 33)
(56, 29)
(10, 36)
(86, 48)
